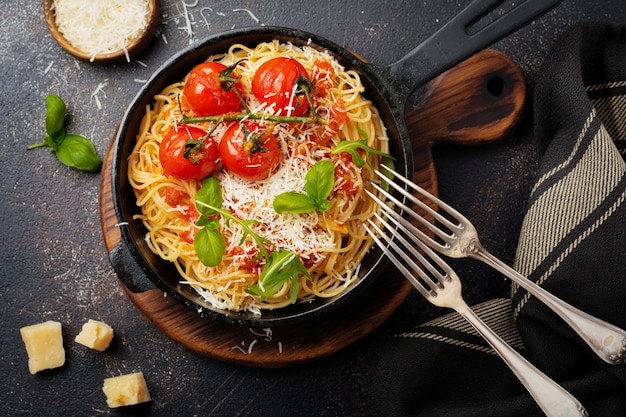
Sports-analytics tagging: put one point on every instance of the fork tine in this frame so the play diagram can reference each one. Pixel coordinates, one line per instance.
(443, 266)
(426, 292)
(441, 204)
(444, 207)
(389, 210)
(446, 292)
(412, 198)
(439, 274)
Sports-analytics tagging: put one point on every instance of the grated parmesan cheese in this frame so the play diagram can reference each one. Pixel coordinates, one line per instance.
(101, 26)
(297, 233)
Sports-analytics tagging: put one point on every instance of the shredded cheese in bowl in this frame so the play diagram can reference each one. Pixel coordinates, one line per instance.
(101, 26)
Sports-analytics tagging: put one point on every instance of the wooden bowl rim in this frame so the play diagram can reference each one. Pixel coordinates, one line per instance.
(132, 49)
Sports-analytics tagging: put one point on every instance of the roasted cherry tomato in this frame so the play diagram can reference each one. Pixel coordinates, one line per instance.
(275, 83)
(249, 150)
(206, 94)
(188, 154)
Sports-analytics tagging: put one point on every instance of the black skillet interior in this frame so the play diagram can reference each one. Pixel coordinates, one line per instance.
(134, 262)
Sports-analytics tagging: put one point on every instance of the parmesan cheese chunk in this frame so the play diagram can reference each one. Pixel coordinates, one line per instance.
(95, 335)
(126, 390)
(44, 346)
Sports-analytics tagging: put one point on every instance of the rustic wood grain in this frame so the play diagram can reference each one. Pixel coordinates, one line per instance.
(478, 101)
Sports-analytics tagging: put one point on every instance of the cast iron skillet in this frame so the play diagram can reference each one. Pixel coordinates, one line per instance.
(389, 89)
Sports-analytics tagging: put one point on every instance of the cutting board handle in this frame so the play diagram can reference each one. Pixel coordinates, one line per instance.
(480, 100)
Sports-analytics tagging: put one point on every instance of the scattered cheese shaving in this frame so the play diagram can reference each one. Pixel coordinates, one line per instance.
(206, 22)
(187, 28)
(99, 89)
(256, 19)
(48, 67)
(101, 26)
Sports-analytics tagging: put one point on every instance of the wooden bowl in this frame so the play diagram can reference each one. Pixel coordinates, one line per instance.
(117, 57)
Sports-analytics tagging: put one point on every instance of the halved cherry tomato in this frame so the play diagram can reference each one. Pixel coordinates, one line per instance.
(345, 178)
(182, 159)
(249, 150)
(323, 73)
(274, 83)
(205, 93)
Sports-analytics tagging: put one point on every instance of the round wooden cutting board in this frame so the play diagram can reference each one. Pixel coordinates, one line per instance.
(477, 101)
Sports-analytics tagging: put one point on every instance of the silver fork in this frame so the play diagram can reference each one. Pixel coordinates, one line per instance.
(461, 240)
(440, 285)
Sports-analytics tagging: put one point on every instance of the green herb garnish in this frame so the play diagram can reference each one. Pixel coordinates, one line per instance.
(75, 151)
(209, 242)
(353, 146)
(319, 183)
(280, 266)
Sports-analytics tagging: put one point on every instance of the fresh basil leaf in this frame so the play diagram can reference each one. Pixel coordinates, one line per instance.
(55, 117)
(55, 114)
(323, 205)
(293, 202)
(319, 181)
(53, 141)
(210, 194)
(208, 222)
(282, 266)
(78, 152)
(210, 246)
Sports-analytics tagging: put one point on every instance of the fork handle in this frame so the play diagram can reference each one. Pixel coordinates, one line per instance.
(606, 340)
(553, 399)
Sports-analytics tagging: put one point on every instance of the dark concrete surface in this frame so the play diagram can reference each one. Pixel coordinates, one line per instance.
(54, 264)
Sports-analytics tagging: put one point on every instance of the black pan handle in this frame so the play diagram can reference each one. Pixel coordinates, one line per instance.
(476, 27)
(128, 269)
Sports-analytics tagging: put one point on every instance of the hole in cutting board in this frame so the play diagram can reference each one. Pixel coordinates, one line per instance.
(495, 86)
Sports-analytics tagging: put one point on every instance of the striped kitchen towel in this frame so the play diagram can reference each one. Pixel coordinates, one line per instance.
(572, 242)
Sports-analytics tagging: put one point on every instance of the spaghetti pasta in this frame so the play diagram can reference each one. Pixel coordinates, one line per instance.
(330, 244)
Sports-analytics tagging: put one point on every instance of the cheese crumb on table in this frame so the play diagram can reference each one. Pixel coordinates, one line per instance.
(44, 345)
(95, 335)
(126, 390)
